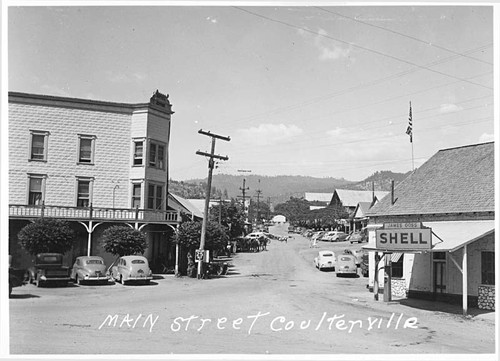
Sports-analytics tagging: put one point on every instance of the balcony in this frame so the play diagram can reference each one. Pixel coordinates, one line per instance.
(18, 211)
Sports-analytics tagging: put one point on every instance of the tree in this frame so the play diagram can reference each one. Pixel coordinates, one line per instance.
(232, 217)
(295, 209)
(123, 241)
(188, 237)
(46, 235)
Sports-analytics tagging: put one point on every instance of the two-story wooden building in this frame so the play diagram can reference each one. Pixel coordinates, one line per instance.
(93, 163)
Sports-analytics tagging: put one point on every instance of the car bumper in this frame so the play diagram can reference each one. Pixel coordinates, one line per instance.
(55, 279)
(95, 279)
(139, 278)
(347, 271)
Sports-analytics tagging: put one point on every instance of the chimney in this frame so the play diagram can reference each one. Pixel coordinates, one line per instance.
(392, 192)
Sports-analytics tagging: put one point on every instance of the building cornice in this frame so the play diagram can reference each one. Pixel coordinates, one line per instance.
(84, 104)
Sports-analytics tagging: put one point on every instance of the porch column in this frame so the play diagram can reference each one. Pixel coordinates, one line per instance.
(464, 281)
(89, 241)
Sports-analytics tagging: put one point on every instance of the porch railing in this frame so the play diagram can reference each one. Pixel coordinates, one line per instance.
(93, 213)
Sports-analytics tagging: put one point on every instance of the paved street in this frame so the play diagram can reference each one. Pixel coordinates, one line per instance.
(272, 302)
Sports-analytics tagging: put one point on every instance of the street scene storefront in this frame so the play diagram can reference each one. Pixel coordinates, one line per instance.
(433, 237)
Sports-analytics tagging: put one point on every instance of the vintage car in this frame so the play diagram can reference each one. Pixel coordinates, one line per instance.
(325, 260)
(89, 269)
(337, 236)
(17, 276)
(346, 265)
(358, 237)
(48, 268)
(131, 268)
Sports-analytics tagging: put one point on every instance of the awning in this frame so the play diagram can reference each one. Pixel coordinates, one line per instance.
(395, 257)
(450, 236)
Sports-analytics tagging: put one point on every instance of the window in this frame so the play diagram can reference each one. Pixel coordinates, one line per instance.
(138, 152)
(155, 196)
(36, 190)
(488, 268)
(84, 192)
(136, 195)
(86, 149)
(38, 145)
(156, 155)
(397, 267)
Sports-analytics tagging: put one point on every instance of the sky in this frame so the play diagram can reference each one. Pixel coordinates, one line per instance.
(321, 91)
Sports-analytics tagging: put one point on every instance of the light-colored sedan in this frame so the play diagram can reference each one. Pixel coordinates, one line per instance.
(337, 236)
(325, 260)
(131, 268)
(89, 269)
(346, 265)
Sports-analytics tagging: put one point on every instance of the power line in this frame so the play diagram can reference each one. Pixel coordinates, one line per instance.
(404, 35)
(358, 87)
(359, 47)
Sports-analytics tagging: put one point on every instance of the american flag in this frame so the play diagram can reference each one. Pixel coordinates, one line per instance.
(409, 130)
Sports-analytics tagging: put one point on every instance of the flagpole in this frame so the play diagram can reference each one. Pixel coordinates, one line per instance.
(409, 131)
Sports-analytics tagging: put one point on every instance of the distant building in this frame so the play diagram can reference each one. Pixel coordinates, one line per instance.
(318, 200)
(93, 163)
(453, 195)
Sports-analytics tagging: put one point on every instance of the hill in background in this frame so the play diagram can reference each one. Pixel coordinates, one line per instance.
(279, 188)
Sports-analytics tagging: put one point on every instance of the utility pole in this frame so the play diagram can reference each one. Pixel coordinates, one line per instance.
(211, 163)
(258, 203)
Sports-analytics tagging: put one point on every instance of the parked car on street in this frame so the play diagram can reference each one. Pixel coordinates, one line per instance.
(17, 276)
(325, 260)
(358, 237)
(89, 269)
(48, 268)
(346, 265)
(335, 236)
(131, 268)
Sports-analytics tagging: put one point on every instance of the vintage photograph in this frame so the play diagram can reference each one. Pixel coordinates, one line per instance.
(240, 180)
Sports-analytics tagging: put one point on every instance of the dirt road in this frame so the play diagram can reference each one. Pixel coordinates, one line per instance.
(272, 302)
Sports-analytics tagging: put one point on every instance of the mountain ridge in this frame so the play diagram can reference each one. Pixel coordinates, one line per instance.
(279, 189)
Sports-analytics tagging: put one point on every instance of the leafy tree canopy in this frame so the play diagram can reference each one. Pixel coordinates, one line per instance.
(232, 217)
(46, 235)
(295, 209)
(189, 235)
(123, 241)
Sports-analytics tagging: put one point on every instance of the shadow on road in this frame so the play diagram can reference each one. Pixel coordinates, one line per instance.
(441, 307)
(28, 295)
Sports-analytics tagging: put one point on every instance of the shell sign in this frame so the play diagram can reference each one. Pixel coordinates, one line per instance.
(411, 236)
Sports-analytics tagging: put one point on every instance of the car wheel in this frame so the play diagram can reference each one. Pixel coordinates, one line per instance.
(78, 280)
(122, 281)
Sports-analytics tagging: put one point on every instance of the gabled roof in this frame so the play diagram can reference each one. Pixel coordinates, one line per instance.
(351, 198)
(200, 205)
(183, 205)
(362, 209)
(455, 180)
(318, 197)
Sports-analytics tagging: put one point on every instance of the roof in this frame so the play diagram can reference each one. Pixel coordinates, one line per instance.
(455, 180)
(351, 198)
(318, 197)
(450, 236)
(199, 204)
(361, 209)
(184, 205)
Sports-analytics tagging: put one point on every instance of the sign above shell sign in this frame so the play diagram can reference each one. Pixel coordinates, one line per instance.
(409, 236)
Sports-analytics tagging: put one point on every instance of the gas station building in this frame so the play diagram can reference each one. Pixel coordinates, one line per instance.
(433, 236)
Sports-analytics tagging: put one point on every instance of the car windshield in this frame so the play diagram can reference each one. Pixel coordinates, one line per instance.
(327, 255)
(345, 258)
(136, 261)
(94, 261)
